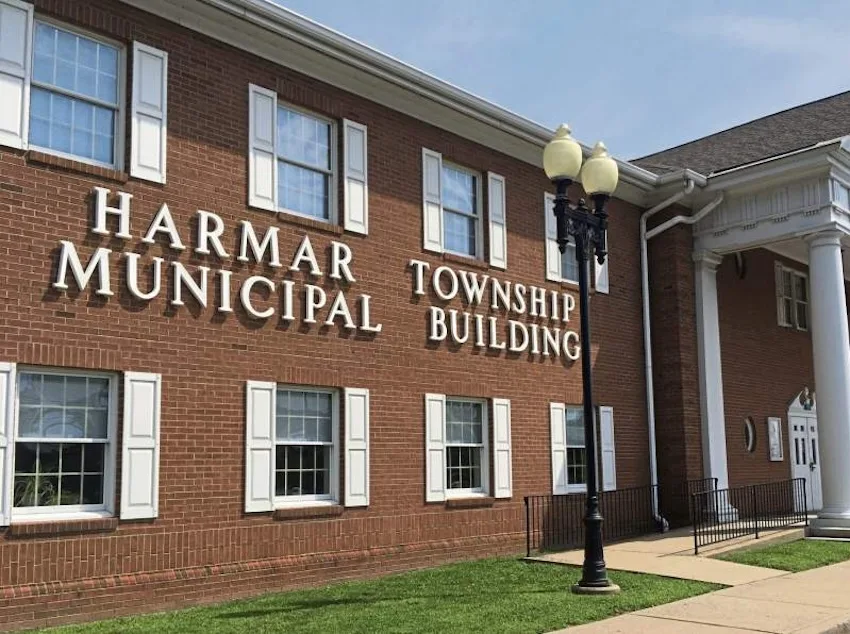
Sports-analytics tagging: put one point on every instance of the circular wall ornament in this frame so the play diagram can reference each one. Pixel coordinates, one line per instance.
(749, 434)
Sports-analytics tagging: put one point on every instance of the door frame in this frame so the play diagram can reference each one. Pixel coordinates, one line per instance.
(804, 405)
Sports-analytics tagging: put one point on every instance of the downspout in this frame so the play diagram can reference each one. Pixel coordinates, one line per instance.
(645, 236)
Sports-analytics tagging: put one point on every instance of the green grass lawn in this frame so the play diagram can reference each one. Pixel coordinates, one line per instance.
(493, 595)
(802, 554)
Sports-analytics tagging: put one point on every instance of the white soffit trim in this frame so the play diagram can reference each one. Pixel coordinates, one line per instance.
(291, 40)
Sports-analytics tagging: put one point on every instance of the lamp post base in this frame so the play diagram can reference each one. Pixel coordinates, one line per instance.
(610, 588)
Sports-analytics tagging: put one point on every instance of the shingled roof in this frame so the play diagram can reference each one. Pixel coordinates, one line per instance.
(786, 131)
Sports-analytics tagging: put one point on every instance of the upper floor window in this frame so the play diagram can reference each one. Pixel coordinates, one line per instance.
(64, 443)
(461, 213)
(305, 163)
(75, 95)
(569, 266)
(792, 298)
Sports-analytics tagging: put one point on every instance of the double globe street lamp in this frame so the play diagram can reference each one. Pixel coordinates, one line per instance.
(562, 162)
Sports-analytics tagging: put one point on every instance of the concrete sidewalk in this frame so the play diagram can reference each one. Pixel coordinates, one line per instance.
(758, 599)
(815, 601)
(672, 555)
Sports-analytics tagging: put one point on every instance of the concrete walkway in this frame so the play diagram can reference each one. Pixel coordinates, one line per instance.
(759, 600)
(672, 555)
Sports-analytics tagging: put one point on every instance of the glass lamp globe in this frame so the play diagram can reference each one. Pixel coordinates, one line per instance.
(599, 174)
(562, 155)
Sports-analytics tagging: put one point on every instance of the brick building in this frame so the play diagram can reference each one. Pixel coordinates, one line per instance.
(281, 310)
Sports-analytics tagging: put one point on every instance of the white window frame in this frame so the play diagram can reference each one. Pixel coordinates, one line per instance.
(484, 448)
(794, 273)
(571, 487)
(118, 147)
(332, 497)
(80, 511)
(479, 209)
(571, 247)
(333, 172)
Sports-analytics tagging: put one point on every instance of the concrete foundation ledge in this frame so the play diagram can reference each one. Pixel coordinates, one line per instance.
(829, 527)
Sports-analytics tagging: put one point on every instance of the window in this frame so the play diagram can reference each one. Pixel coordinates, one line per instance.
(305, 163)
(64, 443)
(792, 294)
(466, 430)
(569, 266)
(576, 452)
(461, 197)
(75, 96)
(305, 452)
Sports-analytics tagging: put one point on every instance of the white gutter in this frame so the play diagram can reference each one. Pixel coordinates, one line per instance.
(647, 336)
(645, 236)
(292, 25)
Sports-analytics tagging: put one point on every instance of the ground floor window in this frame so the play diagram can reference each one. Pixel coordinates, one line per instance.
(465, 446)
(576, 450)
(305, 452)
(63, 441)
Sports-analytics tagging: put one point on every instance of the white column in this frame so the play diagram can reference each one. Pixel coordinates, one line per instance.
(831, 348)
(711, 377)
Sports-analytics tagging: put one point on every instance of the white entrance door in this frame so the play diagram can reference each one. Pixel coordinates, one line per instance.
(805, 455)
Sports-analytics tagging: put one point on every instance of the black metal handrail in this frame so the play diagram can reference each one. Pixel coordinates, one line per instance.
(722, 514)
(556, 522)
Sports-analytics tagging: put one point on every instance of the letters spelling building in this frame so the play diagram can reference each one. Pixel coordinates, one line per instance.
(282, 310)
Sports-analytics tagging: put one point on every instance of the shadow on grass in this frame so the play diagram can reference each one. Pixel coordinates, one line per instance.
(315, 604)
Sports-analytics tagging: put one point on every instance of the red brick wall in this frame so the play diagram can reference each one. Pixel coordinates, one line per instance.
(675, 367)
(203, 546)
(764, 365)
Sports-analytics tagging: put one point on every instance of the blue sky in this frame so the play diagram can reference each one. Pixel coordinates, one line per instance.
(642, 75)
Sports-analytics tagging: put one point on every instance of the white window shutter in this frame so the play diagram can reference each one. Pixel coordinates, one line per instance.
(553, 254)
(356, 203)
(262, 159)
(606, 445)
(15, 56)
(7, 440)
(497, 219)
(435, 447)
(260, 404)
(432, 200)
(149, 113)
(558, 426)
(600, 277)
(502, 476)
(356, 447)
(140, 447)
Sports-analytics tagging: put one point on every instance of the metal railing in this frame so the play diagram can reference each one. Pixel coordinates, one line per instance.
(556, 522)
(702, 485)
(722, 514)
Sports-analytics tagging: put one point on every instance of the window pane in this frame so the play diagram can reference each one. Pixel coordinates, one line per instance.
(569, 266)
(303, 190)
(54, 390)
(789, 310)
(801, 291)
(303, 138)
(575, 426)
(93, 458)
(30, 389)
(24, 494)
(75, 424)
(29, 422)
(787, 289)
(460, 233)
(48, 457)
(25, 457)
(576, 472)
(802, 316)
(93, 489)
(459, 189)
(70, 489)
(72, 458)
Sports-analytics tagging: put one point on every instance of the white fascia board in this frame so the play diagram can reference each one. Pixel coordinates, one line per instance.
(270, 31)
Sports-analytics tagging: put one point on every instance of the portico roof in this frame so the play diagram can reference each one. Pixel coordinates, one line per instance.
(773, 135)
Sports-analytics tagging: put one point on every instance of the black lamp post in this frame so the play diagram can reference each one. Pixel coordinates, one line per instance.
(562, 160)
